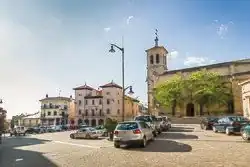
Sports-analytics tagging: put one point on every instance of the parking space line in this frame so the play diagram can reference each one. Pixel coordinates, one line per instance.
(79, 145)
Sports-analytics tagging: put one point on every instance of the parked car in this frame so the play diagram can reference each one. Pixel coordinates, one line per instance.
(165, 124)
(132, 132)
(85, 133)
(245, 132)
(230, 124)
(151, 121)
(33, 130)
(208, 122)
(18, 130)
(102, 130)
(51, 129)
(43, 129)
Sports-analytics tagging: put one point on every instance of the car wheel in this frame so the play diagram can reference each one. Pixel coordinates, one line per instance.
(116, 145)
(154, 133)
(143, 142)
(228, 132)
(245, 136)
(88, 136)
(24, 134)
(214, 129)
(72, 136)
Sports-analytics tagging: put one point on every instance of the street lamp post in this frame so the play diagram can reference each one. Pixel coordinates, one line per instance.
(112, 50)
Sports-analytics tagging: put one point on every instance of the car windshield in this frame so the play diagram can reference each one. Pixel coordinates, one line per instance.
(212, 119)
(127, 126)
(143, 118)
(91, 129)
(238, 119)
(159, 119)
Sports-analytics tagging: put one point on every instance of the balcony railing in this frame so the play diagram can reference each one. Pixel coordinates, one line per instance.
(51, 106)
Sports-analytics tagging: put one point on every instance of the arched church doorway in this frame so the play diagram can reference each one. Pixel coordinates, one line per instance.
(190, 110)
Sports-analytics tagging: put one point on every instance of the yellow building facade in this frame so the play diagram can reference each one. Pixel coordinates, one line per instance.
(131, 108)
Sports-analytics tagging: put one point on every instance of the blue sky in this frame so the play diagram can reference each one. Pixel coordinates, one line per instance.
(47, 46)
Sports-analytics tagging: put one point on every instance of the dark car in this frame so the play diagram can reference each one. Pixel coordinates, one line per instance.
(230, 124)
(32, 130)
(208, 122)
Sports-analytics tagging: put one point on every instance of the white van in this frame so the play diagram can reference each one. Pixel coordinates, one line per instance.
(18, 130)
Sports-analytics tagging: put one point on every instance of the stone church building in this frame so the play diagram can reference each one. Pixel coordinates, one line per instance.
(157, 71)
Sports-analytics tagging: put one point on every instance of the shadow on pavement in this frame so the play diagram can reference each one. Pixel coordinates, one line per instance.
(177, 136)
(11, 155)
(181, 129)
(163, 146)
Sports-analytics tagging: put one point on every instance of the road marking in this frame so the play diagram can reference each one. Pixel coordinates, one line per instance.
(74, 144)
(20, 159)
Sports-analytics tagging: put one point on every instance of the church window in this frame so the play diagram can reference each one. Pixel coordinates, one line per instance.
(151, 59)
(157, 59)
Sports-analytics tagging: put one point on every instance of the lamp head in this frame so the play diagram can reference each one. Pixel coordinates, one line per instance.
(131, 92)
(112, 50)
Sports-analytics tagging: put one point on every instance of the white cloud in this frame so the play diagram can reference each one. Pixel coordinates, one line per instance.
(222, 29)
(129, 19)
(197, 61)
(107, 29)
(173, 54)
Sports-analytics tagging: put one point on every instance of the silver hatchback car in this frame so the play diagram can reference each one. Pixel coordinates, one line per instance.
(132, 132)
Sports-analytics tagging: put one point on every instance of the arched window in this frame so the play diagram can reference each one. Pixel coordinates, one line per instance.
(157, 59)
(151, 59)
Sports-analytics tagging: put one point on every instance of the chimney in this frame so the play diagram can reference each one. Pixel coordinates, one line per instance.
(47, 95)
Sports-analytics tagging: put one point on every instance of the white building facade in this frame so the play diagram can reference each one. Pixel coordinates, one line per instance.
(54, 110)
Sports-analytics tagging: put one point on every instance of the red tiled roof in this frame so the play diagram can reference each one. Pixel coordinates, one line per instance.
(110, 85)
(83, 87)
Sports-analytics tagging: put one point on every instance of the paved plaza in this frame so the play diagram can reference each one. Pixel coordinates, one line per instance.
(183, 146)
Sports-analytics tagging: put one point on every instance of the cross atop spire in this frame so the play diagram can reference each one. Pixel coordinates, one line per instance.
(156, 37)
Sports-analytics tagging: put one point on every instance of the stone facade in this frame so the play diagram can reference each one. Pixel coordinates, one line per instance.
(245, 86)
(157, 72)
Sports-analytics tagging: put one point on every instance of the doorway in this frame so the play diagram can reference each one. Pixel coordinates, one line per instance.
(190, 110)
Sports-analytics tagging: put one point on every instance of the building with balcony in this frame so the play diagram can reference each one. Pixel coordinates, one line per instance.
(94, 106)
(55, 110)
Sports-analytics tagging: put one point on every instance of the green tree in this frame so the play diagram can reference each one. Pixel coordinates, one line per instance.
(170, 93)
(202, 87)
(209, 88)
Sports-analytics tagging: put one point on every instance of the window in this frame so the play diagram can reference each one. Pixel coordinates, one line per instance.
(100, 112)
(79, 112)
(118, 111)
(108, 101)
(86, 112)
(118, 101)
(79, 94)
(30, 122)
(63, 114)
(151, 59)
(55, 112)
(93, 112)
(49, 113)
(50, 105)
(80, 102)
(93, 102)
(100, 101)
(127, 126)
(157, 59)
(108, 93)
(164, 60)
(86, 102)
(143, 125)
(37, 121)
(108, 111)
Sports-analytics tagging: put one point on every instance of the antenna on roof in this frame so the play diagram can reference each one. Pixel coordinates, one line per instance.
(156, 37)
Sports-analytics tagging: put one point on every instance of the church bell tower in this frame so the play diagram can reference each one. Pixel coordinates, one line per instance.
(156, 65)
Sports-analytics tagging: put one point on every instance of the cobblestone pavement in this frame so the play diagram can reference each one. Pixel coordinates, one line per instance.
(183, 146)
